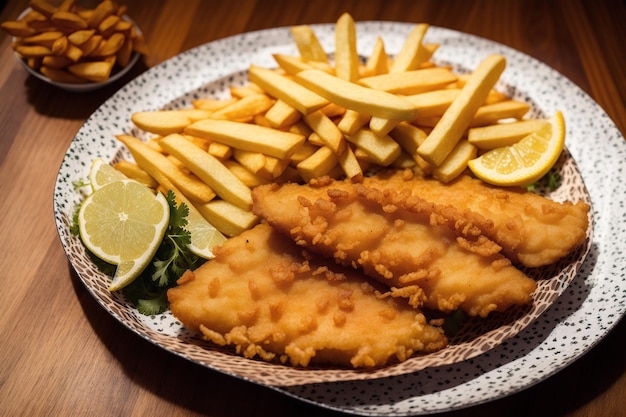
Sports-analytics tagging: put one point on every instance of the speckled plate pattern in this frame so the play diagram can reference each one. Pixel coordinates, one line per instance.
(581, 300)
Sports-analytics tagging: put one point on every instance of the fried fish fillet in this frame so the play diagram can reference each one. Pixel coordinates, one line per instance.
(425, 252)
(263, 296)
(533, 230)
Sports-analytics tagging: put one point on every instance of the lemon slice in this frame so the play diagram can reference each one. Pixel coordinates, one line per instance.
(204, 236)
(101, 173)
(123, 223)
(526, 161)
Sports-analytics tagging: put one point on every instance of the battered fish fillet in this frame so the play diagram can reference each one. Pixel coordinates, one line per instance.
(533, 230)
(261, 295)
(427, 253)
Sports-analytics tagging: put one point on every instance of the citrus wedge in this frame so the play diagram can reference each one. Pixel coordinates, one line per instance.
(101, 173)
(123, 223)
(526, 161)
(204, 236)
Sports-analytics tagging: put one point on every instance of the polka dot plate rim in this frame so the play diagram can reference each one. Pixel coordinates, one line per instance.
(515, 364)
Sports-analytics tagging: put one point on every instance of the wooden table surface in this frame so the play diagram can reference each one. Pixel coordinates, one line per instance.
(62, 354)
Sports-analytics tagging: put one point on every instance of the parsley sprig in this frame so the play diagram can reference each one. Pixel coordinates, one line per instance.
(550, 182)
(148, 292)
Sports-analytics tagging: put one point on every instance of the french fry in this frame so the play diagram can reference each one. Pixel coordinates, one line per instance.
(33, 51)
(91, 45)
(381, 149)
(260, 120)
(110, 46)
(456, 162)
(486, 114)
(352, 121)
(97, 71)
(381, 126)
(247, 137)
(212, 104)
(43, 7)
(124, 54)
(210, 170)
(458, 116)
(46, 39)
(327, 131)
(300, 128)
(250, 105)
(18, 28)
(249, 178)
(403, 161)
(434, 103)
(66, 5)
(61, 76)
(101, 12)
(244, 91)
(409, 138)
(60, 45)
(316, 140)
(151, 161)
(333, 110)
(273, 167)
(162, 122)
(318, 164)
(132, 170)
(220, 151)
(108, 24)
(350, 165)
(75, 54)
(491, 113)
(411, 82)
(282, 114)
(291, 64)
(346, 57)
(283, 88)
(356, 97)
(252, 161)
(228, 218)
(502, 134)
(378, 61)
(57, 62)
(68, 21)
(307, 149)
(308, 44)
(80, 36)
(409, 56)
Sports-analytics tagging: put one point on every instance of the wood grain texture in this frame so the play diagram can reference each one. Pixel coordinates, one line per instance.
(62, 354)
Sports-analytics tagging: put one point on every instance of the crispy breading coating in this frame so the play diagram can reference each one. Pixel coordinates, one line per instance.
(533, 230)
(426, 252)
(270, 299)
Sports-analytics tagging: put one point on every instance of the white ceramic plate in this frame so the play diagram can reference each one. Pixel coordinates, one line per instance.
(583, 314)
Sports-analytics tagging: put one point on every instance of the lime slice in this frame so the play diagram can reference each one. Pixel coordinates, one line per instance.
(101, 173)
(526, 161)
(123, 222)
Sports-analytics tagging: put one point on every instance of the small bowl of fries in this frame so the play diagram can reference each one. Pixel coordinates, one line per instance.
(74, 48)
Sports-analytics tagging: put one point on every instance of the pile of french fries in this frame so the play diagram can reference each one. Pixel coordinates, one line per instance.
(311, 117)
(70, 44)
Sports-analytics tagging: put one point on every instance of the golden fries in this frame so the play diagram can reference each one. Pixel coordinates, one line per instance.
(210, 170)
(458, 116)
(355, 97)
(312, 117)
(283, 88)
(94, 41)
